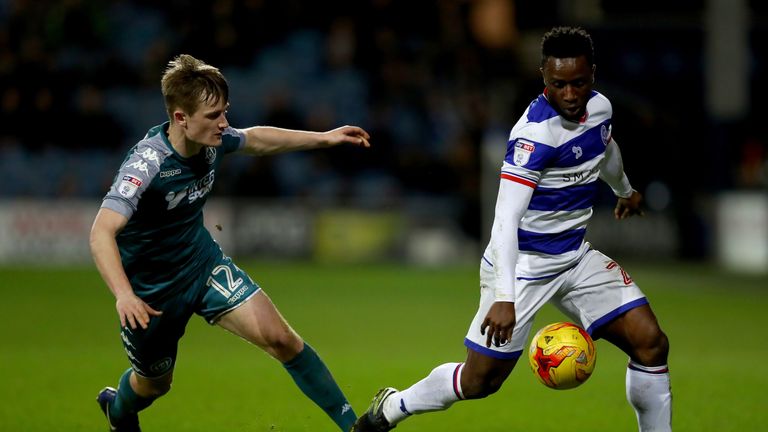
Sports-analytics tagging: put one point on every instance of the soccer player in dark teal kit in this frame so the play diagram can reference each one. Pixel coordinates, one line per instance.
(153, 252)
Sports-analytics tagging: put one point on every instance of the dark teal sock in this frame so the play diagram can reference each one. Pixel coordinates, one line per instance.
(315, 380)
(127, 401)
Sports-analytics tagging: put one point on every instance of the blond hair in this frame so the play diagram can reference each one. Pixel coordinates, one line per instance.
(187, 82)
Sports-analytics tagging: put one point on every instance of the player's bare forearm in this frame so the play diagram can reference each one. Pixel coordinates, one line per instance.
(105, 252)
(627, 207)
(131, 310)
(263, 140)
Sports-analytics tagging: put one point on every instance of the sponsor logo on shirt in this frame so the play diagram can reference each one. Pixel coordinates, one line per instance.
(150, 155)
(128, 186)
(144, 156)
(170, 173)
(523, 152)
(194, 191)
(141, 166)
(580, 176)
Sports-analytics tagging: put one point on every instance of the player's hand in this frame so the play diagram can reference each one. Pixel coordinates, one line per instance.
(348, 135)
(499, 323)
(627, 207)
(132, 311)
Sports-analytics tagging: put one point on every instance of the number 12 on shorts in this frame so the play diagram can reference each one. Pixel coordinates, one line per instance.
(232, 284)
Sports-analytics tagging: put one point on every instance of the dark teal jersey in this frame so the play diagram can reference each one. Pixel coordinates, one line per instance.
(165, 247)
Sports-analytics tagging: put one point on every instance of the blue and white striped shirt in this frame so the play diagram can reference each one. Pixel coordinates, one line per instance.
(561, 161)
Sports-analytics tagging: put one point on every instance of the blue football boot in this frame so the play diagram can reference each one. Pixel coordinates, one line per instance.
(128, 424)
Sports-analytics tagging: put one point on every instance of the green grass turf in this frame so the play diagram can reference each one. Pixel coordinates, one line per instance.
(374, 325)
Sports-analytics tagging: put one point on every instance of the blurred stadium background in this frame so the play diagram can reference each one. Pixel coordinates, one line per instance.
(438, 84)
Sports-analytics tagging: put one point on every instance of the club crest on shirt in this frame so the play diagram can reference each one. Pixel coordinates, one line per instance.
(210, 155)
(522, 153)
(605, 134)
(128, 186)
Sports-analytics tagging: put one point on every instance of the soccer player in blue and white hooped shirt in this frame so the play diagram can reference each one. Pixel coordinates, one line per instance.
(162, 265)
(556, 153)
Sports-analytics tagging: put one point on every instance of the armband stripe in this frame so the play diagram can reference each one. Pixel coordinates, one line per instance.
(522, 181)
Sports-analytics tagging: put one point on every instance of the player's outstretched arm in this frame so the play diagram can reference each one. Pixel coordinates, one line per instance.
(262, 140)
(131, 309)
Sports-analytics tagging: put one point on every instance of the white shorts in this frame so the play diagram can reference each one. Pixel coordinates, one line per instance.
(592, 293)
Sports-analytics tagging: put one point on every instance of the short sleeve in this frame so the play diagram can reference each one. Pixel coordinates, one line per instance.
(132, 180)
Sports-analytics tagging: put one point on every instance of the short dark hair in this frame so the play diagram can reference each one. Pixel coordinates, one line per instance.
(567, 42)
(187, 82)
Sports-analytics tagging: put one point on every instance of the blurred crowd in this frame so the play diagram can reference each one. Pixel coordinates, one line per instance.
(433, 82)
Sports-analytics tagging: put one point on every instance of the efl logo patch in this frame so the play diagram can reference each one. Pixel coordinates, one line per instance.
(522, 153)
(128, 186)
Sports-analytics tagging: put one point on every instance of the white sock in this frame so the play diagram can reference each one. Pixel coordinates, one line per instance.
(650, 394)
(439, 390)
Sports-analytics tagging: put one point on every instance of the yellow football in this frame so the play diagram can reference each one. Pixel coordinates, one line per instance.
(562, 355)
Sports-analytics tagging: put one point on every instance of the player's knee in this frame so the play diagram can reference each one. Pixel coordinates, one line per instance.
(154, 388)
(283, 345)
(655, 349)
(480, 387)
(161, 388)
(281, 340)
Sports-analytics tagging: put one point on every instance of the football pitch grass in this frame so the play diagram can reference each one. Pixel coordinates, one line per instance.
(374, 325)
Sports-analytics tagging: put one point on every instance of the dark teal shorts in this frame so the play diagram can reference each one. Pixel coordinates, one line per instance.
(152, 351)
